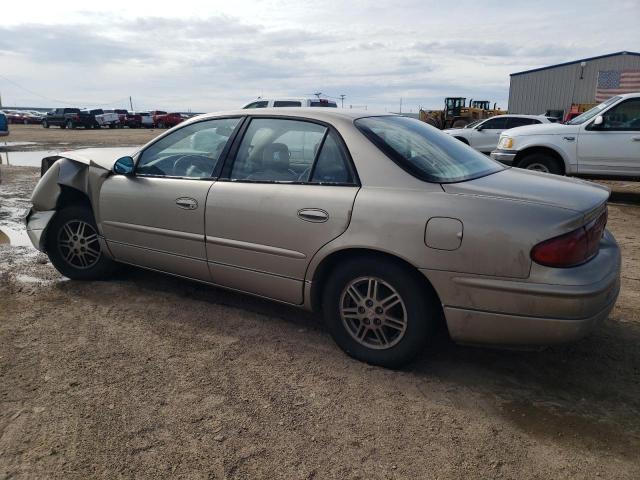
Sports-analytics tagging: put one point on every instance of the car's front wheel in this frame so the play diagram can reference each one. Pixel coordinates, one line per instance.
(73, 246)
(379, 311)
(540, 162)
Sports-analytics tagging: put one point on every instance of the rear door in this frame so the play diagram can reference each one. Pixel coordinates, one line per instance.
(288, 191)
(485, 137)
(612, 148)
(155, 218)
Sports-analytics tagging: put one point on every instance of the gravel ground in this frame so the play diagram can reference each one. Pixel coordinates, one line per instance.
(148, 376)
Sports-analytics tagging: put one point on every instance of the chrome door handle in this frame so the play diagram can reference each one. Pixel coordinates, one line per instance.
(569, 139)
(315, 215)
(187, 203)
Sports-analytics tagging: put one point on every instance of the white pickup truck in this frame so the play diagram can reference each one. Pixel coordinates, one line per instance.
(602, 142)
(111, 120)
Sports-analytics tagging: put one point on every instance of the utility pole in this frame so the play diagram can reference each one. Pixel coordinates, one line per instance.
(400, 104)
(130, 103)
(342, 100)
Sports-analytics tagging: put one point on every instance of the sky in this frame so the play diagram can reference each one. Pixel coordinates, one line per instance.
(216, 55)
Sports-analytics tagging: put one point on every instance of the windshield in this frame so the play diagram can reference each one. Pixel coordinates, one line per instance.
(589, 114)
(424, 151)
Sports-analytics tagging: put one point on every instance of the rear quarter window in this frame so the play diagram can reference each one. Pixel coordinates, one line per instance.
(425, 152)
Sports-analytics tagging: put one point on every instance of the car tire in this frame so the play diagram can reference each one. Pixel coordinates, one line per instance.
(45, 124)
(161, 125)
(69, 124)
(63, 125)
(73, 247)
(541, 162)
(360, 321)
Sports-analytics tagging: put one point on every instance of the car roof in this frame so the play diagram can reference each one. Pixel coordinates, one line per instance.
(322, 114)
(518, 115)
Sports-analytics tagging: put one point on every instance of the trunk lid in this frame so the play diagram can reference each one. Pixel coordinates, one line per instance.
(535, 187)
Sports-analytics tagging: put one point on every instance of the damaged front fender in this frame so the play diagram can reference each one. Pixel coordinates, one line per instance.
(80, 174)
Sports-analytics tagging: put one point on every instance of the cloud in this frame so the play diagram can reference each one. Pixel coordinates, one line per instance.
(210, 55)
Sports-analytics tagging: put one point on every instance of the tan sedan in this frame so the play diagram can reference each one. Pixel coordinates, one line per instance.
(385, 224)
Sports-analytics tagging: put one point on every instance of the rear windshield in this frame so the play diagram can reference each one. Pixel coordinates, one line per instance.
(323, 103)
(424, 151)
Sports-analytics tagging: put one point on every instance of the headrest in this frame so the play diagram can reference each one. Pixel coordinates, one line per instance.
(275, 156)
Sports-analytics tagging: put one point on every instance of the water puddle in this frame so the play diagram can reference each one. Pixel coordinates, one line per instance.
(16, 237)
(26, 159)
(16, 144)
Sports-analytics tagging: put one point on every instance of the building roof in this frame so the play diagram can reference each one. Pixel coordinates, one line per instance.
(624, 52)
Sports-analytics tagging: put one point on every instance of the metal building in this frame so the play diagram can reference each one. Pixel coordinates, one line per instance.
(552, 90)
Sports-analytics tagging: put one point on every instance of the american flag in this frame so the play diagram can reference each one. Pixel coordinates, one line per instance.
(616, 82)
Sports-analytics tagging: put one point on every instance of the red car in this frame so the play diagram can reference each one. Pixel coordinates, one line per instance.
(166, 120)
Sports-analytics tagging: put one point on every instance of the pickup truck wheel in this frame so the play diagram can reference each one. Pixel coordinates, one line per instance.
(73, 246)
(69, 124)
(160, 125)
(45, 124)
(379, 312)
(540, 162)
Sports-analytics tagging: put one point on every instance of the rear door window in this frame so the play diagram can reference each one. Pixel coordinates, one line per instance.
(291, 151)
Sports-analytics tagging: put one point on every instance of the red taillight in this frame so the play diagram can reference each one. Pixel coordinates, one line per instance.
(572, 248)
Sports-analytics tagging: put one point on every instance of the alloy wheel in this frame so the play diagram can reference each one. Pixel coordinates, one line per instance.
(538, 167)
(78, 244)
(373, 313)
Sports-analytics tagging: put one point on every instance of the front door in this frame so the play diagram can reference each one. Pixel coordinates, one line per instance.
(485, 137)
(155, 217)
(289, 191)
(612, 148)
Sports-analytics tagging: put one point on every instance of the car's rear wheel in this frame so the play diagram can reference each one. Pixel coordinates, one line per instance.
(73, 246)
(379, 312)
(45, 124)
(70, 124)
(540, 162)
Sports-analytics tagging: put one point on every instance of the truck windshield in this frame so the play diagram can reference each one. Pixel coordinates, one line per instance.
(589, 114)
(424, 151)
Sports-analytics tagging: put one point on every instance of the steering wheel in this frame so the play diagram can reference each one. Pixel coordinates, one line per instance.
(193, 166)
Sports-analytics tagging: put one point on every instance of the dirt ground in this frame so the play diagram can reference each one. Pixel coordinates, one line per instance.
(148, 376)
(56, 137)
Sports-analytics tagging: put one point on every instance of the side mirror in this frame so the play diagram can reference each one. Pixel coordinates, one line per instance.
(124, 166)
(598, 121)
(479, 128)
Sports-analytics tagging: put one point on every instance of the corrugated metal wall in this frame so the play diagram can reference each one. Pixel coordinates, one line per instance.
(557, 88)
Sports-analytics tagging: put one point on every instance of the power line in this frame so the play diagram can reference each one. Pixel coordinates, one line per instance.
(58, 100)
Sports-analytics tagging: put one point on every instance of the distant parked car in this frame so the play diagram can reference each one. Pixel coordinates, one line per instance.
(291, 102)
(69, 118)
(4, 125)
(483, 134)
(603, 142)
(167, 120)
(146, 119)
(133, 120)
(103, 119)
